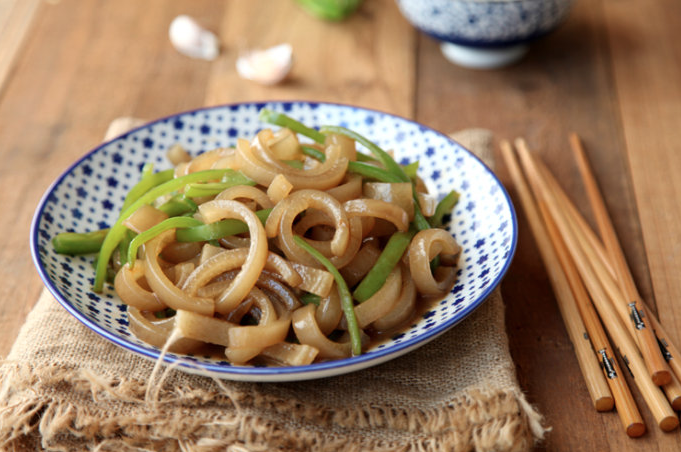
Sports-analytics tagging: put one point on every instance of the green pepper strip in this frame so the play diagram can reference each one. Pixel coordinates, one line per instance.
(218, 229)
(411, 169)
(280, 119)
(75, 243)
(345, 297)
(386, 160)
(372, 172)
(419, 220)
(319, 155)
(444, 207)
(146, 183)
(124, 245)
(308, 298)
(165, 225)
(213, 188)
(313, 152)
(390, 256)
(178, 205)
(365, 158)
(117, 231)
(167, 312)
(363, 169)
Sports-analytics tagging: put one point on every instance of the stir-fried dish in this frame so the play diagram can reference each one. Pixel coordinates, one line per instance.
(293, 247)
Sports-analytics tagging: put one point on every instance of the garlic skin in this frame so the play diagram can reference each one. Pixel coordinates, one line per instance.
(267, 66)
(192, 40)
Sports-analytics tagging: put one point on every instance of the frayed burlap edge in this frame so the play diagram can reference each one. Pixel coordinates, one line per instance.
(34, 411)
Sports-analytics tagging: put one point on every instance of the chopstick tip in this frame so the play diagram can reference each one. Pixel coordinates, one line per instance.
(636, 429)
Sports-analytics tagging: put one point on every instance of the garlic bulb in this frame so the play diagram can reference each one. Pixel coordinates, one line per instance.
(267, 66)
(192, 40)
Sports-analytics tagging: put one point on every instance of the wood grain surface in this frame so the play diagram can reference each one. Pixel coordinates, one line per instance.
(611, 73)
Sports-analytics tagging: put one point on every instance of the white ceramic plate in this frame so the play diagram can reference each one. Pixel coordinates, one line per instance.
(89, 194)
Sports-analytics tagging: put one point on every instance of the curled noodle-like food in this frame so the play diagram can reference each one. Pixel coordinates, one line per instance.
(329, 312)
(292, 253)
(281, 222)
(156, 332)
(326, 175)
(423, 248)
(167, 292)
(128, 287)
(216, 210)
(382, 302)
(403, 308)
(248, 192)
(308, 332)
(378, 209)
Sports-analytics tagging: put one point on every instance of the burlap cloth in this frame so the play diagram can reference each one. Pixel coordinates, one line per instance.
(66, 388)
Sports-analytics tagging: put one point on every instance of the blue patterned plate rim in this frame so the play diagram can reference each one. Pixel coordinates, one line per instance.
(356, 362)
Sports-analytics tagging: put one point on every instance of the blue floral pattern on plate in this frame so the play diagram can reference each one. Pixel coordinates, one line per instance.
(89, 194)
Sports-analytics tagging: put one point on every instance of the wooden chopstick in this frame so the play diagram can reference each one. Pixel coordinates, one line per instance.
(657, 366)
(626, 406)
(624, 401)
(659, 407)
(672, 389)
(671, 352)
(588, 362)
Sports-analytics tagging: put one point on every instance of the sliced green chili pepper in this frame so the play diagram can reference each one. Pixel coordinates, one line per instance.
(217, 230)
(280, 119)
(313, 152)
(411, 169)
(178, 205)
(372, 172)
(147, 182)
(166, 313)
(75, 243)
(390, 256)
(117, 231)
(386, 160)
(361, 168)
(213, 188)
(124, 245)
(444, 207)
(165, 225)
(347, 304)
(319, 155)
(419, 220)
(308, 298)
(361, 157)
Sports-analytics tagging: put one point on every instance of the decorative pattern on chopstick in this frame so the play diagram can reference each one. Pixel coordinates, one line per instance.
(588, 362)
(655, 362)
(672, 389)
(600, 257)
(593, 276)
(626, 406)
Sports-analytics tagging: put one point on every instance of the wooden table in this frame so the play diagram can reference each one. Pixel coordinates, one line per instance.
(612, 73)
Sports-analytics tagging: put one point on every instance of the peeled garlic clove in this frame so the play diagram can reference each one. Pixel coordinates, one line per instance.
(192, 40)
(268, 66)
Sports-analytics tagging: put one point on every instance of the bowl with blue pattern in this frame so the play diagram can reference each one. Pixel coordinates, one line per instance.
(485, 34)
(88, 196)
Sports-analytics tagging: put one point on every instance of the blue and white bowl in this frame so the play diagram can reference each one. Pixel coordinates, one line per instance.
(89, 194)
(485, 34)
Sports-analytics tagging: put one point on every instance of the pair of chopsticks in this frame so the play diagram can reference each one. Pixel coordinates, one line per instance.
(596, 293)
